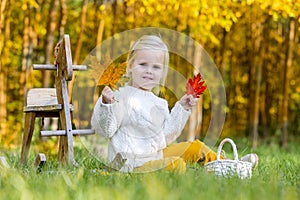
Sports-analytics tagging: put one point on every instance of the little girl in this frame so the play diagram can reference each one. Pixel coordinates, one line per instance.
(138, 123)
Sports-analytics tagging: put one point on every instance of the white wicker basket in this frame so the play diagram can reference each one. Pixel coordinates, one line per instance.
(229, 168)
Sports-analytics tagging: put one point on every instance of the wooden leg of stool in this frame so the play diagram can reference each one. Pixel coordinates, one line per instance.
(27, 136)
(64, 155)
(63, 150)
(40, 161)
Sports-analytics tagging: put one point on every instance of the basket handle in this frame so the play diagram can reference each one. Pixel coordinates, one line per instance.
(235, 154)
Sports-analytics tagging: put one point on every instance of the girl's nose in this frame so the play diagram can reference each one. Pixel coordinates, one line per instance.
(149, 70)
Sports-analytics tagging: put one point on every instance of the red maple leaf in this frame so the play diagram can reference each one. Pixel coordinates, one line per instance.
(195, 86)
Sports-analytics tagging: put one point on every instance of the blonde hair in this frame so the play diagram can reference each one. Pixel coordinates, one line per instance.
(149, 42)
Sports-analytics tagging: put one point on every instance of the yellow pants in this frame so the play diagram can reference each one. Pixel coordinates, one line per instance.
(177, 155)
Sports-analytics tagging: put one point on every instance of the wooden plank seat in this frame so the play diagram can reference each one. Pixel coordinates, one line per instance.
(43, 100)
(54, 102)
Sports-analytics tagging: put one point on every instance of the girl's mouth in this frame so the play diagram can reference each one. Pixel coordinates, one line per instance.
(147, 78)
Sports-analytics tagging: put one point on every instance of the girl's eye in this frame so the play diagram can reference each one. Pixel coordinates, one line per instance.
(157, 67)
(143, 64)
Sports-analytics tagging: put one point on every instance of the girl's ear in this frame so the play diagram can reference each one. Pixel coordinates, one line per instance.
(130, 66)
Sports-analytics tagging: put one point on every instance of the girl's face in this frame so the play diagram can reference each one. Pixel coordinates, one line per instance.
(147, 69)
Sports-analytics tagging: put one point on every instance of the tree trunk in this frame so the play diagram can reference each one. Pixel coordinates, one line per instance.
(78, 46)
(251, 99)
(98, 51)
(100, 29)
(254, 133)
(263, 107)
(257, 64)
(63, 18)
(195, 121)
(223, 46)
(285, 92)
(251, 74)
(2, 21)
(114, 25)
(82, 25)
(26, 57)
(100, 32)
(51, 26)
(3, 70)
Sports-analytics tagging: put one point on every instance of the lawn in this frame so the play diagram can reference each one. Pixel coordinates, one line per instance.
(277, 177)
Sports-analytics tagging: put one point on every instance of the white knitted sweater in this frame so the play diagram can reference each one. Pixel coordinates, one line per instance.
(138, 125)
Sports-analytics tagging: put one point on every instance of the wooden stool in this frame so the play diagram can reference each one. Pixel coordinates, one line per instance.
(54, 102)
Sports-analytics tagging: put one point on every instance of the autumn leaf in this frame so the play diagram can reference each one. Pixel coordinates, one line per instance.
(108, 72)
(112, 75)
(195, 86)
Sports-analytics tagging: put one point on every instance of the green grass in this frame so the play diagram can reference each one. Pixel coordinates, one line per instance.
(277, 177)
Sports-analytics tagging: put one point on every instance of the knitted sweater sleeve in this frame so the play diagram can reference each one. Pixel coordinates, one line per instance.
(175, 123)
(104, 120)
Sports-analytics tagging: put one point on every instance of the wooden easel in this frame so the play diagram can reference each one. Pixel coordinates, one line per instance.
(54, 102)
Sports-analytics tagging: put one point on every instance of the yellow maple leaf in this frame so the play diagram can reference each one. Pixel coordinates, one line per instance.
(112, 75)
(108, 72)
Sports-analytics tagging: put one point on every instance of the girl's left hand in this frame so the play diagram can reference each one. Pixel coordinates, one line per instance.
(107, 95)
(188, 101)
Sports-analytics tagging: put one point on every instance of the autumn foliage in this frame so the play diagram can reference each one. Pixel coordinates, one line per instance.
(195, 86)
(112, 75)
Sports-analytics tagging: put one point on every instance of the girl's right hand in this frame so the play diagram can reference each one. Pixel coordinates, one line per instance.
(188, 101)
(107, 95)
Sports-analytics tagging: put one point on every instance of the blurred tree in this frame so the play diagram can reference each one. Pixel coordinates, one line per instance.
(286, 80)
(4, 16)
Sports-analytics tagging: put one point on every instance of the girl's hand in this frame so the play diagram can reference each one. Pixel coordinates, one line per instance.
(107, 95)
(188, 101)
